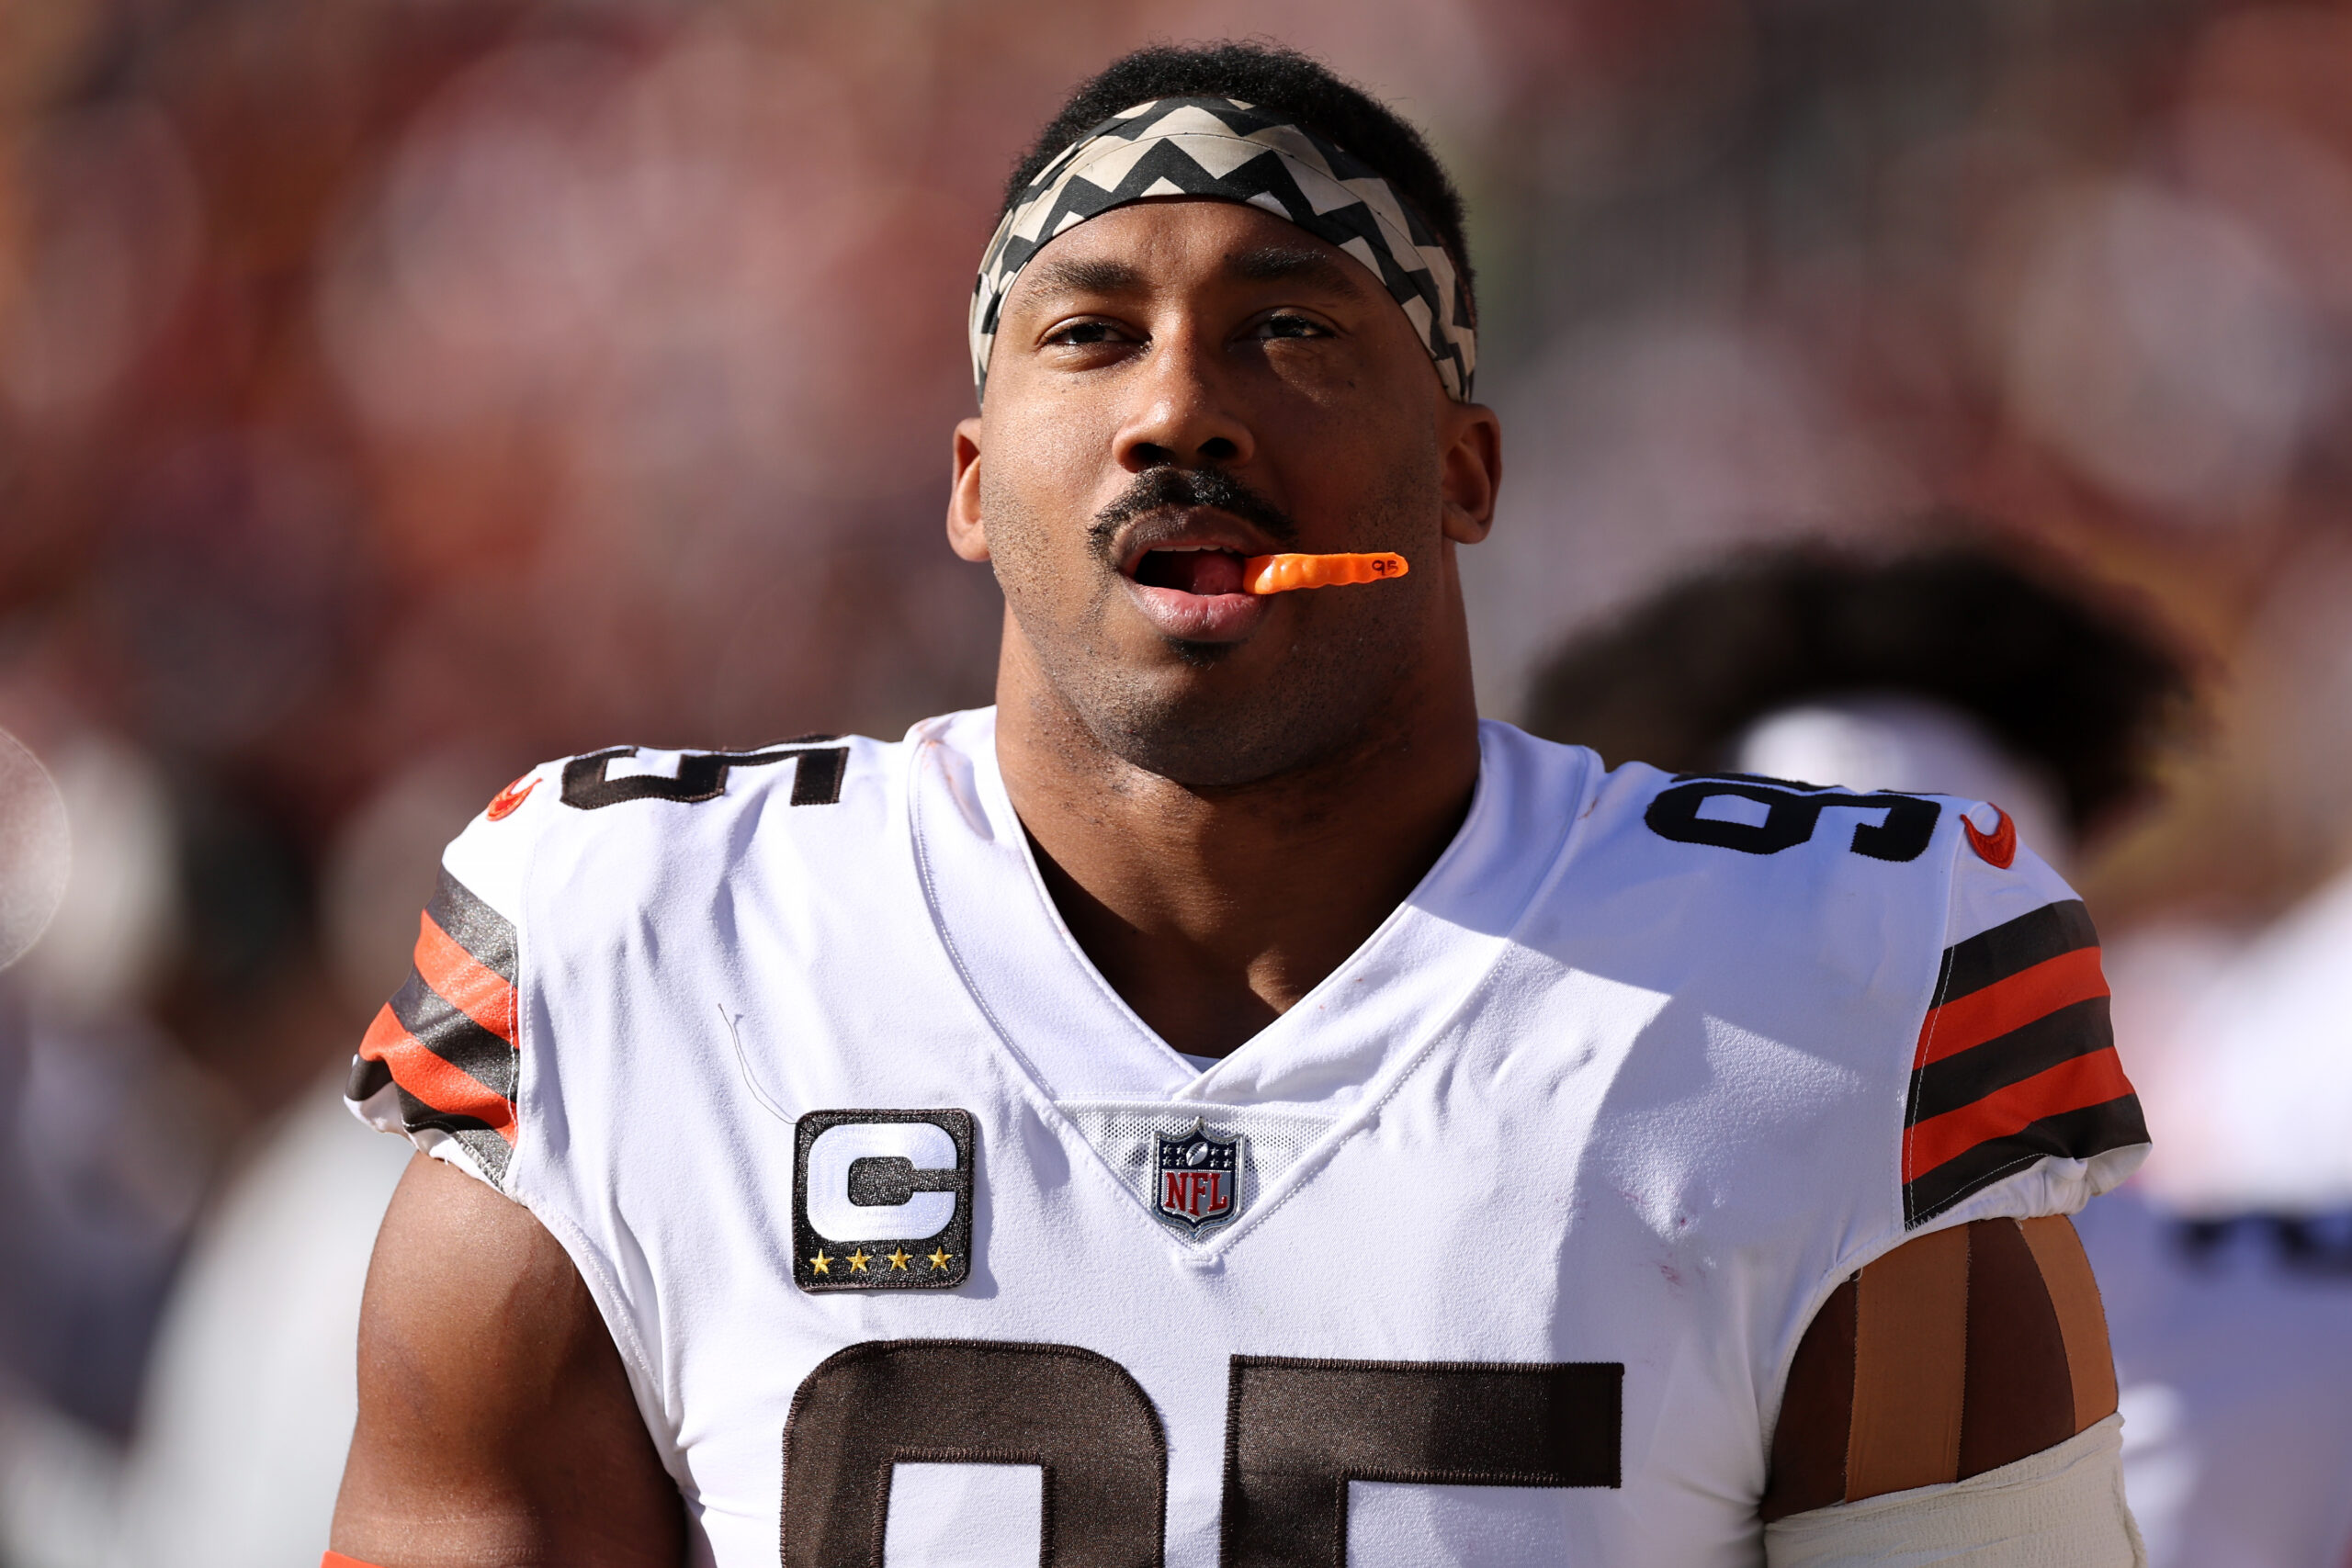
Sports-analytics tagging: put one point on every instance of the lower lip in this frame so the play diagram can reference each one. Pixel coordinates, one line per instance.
(1198, 617)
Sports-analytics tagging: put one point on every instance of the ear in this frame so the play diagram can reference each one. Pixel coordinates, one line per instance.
(1472, 443)
(965, 535)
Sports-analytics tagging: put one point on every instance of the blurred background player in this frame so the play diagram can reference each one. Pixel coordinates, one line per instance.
(1959, 668)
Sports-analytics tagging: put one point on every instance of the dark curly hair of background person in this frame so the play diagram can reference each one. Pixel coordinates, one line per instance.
(2059, 673)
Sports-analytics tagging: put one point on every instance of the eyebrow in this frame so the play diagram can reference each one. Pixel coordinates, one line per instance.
(1074, 274)
(1260, 264)
(1291, 264)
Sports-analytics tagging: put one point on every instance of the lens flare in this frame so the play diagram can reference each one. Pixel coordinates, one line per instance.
(36, 850)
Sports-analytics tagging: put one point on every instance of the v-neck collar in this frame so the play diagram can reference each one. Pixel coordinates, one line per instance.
(1080, 1041)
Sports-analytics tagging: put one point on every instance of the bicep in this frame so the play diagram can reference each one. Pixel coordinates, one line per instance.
(1957, 1354)
(496, 1424)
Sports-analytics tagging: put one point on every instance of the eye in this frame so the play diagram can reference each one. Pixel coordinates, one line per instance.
(1081, 334)
(1290, 325)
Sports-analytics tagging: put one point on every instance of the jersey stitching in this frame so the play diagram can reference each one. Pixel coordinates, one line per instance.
(1929, 1021)
(1999, 1173)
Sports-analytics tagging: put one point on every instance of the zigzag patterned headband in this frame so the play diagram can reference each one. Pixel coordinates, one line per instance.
(1231, 152)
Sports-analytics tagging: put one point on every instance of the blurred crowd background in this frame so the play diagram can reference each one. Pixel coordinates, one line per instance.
(396, 392)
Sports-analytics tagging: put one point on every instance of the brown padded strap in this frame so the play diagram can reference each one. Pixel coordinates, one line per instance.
(2081, 1317)
(2020, 1393)
(1910, 1367)
(1957, 1353)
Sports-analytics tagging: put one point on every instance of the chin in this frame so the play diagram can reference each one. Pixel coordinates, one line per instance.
(1205, 738)
(1204, 655)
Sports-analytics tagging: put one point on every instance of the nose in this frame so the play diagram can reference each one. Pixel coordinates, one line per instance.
(1181, 415)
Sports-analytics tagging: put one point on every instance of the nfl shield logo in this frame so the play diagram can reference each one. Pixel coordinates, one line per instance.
(1196, 1179)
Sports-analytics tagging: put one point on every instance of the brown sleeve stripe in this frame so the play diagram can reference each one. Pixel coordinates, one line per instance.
(2015, 945)
(1990, 1012)
(445, 1042)
(369, 1079)
(2082, 1320)
(1910, 1367)
(455, 1038)
(458, 978)
(437, 1084)
(1963, 1079)
(2077, 1134)
(2016, 1062)
(2074, 1081)
(434, 1095)
(481, 931)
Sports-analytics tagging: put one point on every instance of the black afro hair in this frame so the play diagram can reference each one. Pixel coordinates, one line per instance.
(1305, 89)
(2059, 673)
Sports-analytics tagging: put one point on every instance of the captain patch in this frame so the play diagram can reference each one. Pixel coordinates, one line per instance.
(882, 1199)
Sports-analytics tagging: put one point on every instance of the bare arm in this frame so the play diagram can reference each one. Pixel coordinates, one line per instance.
(1965, 1379)
(496, 1426)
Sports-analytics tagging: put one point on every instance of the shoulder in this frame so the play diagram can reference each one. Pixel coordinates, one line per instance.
(636, 814)
(1908, 938)
(1781, 888)
(562, 875)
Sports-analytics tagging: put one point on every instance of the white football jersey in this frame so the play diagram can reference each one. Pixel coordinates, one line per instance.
(919, 1246)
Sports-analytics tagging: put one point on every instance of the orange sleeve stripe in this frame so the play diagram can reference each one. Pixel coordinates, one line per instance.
(337, 1560)
(2083, 1081)
(458, 978)
(440, 1085)
(1968, 1021)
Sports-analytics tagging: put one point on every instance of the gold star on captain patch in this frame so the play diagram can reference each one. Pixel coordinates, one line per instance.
(820, 1264)
(898, 1258)
(939, 1259)
(858, 1262)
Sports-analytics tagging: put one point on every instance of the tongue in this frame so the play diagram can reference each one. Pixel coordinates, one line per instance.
(1205, 573)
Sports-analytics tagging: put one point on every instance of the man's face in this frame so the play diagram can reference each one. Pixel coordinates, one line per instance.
(1177, 385)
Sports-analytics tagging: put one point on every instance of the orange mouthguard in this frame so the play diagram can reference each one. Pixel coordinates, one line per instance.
(1280, 574)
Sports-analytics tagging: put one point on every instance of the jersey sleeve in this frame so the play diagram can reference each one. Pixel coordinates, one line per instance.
(2018, 1104)
(440, 1064)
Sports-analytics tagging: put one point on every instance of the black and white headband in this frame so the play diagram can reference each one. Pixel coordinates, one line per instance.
(1232, 151)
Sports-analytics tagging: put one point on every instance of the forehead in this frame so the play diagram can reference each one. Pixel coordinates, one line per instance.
(1178, 243)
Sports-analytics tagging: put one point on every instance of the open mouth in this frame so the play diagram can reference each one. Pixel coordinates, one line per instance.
(1203, 571)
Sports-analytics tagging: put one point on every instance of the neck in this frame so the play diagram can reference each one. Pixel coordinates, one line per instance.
(1210, 912)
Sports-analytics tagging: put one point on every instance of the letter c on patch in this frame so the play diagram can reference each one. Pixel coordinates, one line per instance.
(922, 1144)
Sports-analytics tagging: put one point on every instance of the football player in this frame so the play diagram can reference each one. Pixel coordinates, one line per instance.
(1225, 1104)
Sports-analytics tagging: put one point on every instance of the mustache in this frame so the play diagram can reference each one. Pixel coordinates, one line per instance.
(1165, 486)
